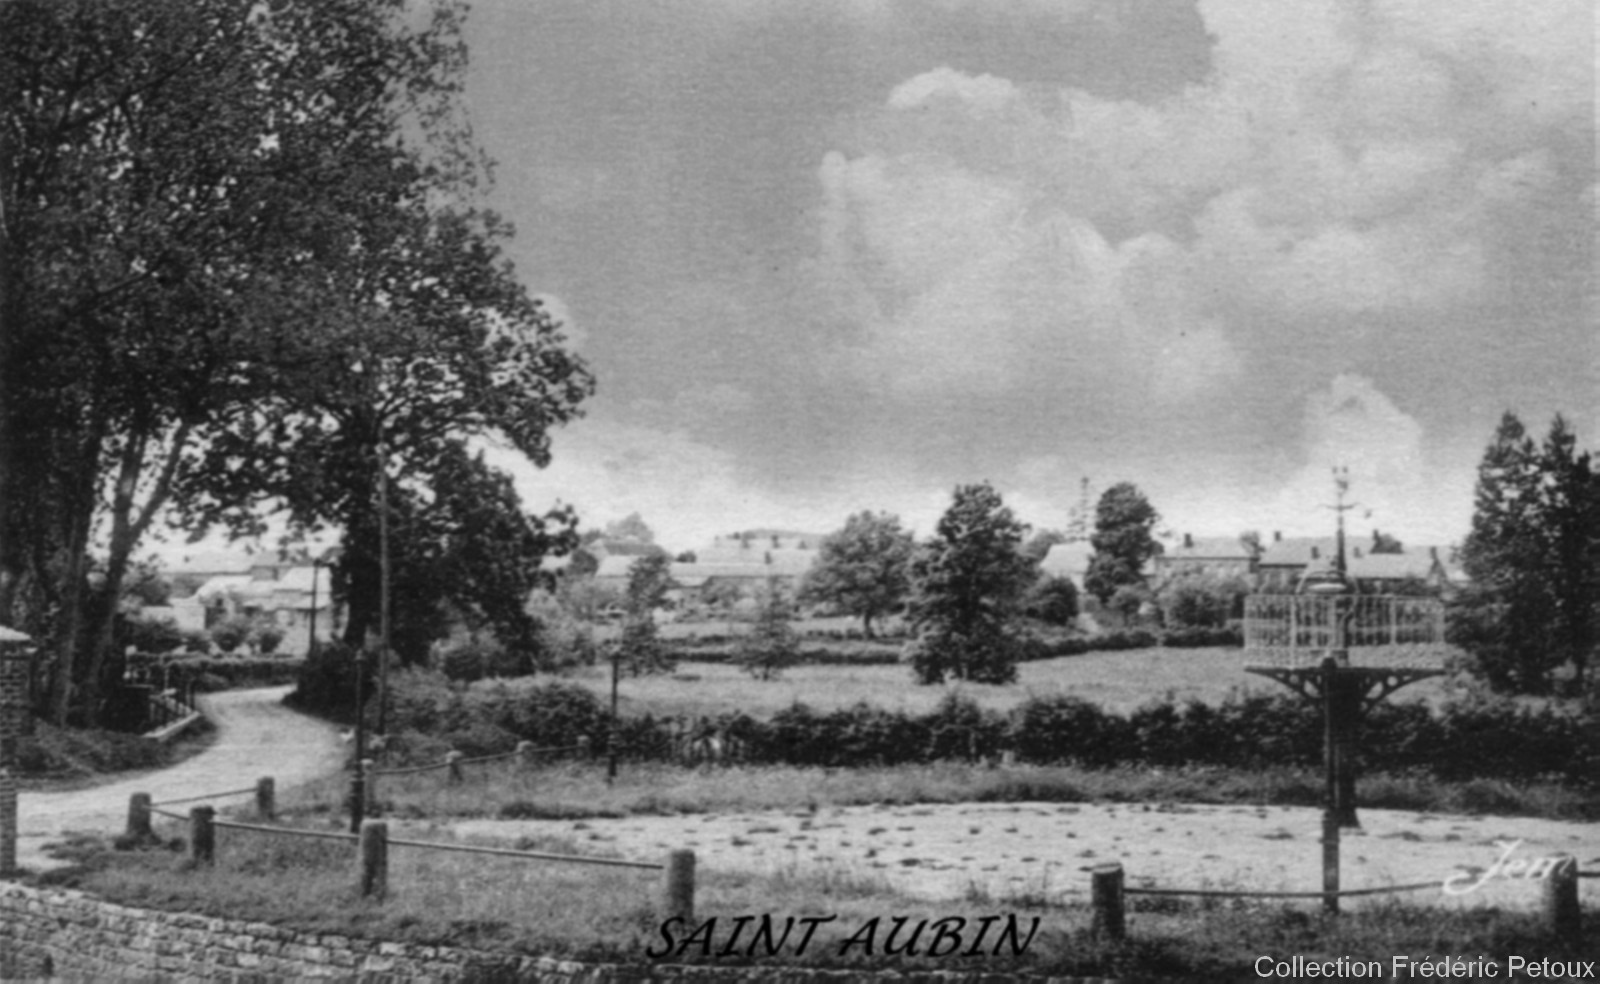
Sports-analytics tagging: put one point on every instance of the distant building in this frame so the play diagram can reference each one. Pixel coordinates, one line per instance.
(257, 586)
(737, 566)
(1287, 561)
(1217, 556)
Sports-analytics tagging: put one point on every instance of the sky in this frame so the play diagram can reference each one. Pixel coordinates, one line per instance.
(833, 255)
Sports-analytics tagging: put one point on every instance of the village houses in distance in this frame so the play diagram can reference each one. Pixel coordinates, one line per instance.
(210, 587)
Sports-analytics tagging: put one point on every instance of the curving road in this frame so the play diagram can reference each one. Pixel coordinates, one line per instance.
(256, 736)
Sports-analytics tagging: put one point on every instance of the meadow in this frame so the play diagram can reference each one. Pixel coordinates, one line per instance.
(1117, 681)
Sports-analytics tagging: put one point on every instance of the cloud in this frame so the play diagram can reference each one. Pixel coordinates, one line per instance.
(1398, 483)
(1342, 160)
(688, 491)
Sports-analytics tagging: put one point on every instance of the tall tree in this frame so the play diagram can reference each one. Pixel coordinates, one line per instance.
(862, 568)
(771, 645)
(967, 586)
(649, 580)
(1531, 557)
(1123, 540)
(216, 214)
(470, 556)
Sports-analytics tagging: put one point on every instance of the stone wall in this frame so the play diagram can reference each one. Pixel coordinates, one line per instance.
(65, 935)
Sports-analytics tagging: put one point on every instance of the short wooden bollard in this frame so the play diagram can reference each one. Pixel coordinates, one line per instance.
(583, 746)
(139, 818)
(453, 760)
(524, 754)
(1105, 894)
(266, 798)
(202, 835)
(374, 858)
(1561, 912)
(678, 887)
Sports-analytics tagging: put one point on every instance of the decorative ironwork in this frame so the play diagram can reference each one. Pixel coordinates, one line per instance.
(1373, 630)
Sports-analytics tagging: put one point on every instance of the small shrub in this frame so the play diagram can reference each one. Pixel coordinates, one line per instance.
(466, 663)
(154, 635)
(268, 638)
(231, 633)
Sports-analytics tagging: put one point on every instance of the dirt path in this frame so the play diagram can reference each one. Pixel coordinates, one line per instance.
(1040, 849)
(256, 736)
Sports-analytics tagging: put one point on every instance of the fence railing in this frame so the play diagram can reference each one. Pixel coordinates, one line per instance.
(1298, 629)
(373, 842)
(1560, 908)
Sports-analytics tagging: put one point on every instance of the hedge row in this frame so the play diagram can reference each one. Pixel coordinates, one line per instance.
(856, 654)
(210, 673)
(1488, 741)
(716, 649)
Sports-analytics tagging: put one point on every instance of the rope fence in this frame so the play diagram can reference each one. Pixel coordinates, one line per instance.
(373, 843)
(206, 796)
(454, 760)
(1209, 893)
(1560, 906)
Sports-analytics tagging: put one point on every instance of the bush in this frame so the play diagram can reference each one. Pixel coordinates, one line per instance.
(1202, 638)
(551, 715)
(1060, 729)
(468, 662)
(268, 637)
(1053, 601)
(326, 683)
(231, 633)
(154, 635)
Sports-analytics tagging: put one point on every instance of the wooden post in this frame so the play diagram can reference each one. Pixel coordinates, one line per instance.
(139, 818)
(611, 731)
(1561, 910)
(266, 798)
(453, 759)
(202, 835)
(374, 859)
(524, 754)
(678, 887)
(1105, 892)
(1330, 862)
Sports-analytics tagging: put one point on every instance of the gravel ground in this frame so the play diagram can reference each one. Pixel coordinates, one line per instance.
(1010, 849)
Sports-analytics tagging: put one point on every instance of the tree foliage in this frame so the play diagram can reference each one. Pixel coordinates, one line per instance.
(1533, 557)
(649, 580)
(862, 568)
(1201, 601)
(772, 644)
(466, 555)
(1053, 600)
(967, 586)
(240, 264)
(1123, 540)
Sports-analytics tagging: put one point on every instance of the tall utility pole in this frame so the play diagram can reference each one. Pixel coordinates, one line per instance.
(383, 587)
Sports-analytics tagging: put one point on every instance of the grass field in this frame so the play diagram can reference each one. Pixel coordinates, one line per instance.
(1117, 681)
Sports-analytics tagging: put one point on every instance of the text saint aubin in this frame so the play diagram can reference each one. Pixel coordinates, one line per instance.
(755, 935)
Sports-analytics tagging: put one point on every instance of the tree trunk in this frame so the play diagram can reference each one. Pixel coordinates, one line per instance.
(129, 521)
(80, 515)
